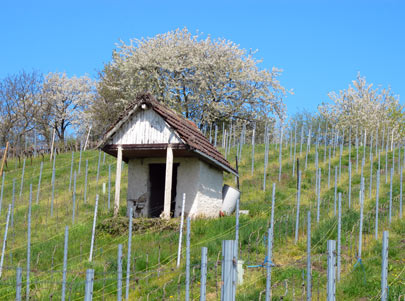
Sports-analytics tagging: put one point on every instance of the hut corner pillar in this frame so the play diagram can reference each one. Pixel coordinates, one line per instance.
(118, 181)
(168, 183)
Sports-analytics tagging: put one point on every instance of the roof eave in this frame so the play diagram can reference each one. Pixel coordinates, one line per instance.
(216, 162)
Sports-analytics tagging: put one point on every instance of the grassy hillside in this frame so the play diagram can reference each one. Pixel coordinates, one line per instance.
(154, 243)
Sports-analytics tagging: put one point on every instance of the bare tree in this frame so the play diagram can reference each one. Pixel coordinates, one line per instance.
(18, 105)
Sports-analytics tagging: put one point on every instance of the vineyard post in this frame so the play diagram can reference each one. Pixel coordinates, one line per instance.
(129, 255)
(39, 181)
(22, 179)
(329, 168)
(309, 277)
(339, 230)
(98, 167)
(181, 230)
(119, 273)
(291, 142)
(65, 252)
(5, 240)
(308, 148)
(270, 237)
(71, 172)
(331, 286)
(325, 141)
(228, 270)
(384, 267)
(371, 175)
(386, 163)
(18, 284)
(53, 185)
(316, 173)
(109, 187)
(371, 147)
(203, 282)
(225, 142)
(88, 291)
(376, 140)
(80, 159)
(298, 207)
(85, 182)
(377, 197)
(364, 144)
(74, 198)
(390, 208)
(336, 178)
(13, 205)
(361, 196)
(253, 148)
(350, 144)
(400, 192)
(2, 189)
(268, 265)
(29, 246)
(93, 230)
(350, 184)
(340, 160)
(273, 199)
(295, 148)
(319, 195)
(302, 139)
(357, 152)
(279, 155)
(266, 156)
(188, 259)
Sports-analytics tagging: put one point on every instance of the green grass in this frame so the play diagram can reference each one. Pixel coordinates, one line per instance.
(154, 244)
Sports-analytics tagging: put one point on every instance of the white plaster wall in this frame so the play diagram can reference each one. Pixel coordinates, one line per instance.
(188, 177)
(209, 191)
(201, 183)
(138, 174)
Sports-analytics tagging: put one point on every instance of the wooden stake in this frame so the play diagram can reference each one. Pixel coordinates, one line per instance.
(4, 160)
(53, 141)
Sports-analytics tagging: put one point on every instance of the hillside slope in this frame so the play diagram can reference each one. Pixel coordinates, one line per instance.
(154, 275)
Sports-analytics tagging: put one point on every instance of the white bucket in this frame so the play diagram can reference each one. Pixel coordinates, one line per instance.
(229, 197)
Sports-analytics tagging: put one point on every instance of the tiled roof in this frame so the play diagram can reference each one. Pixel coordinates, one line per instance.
(186, 129)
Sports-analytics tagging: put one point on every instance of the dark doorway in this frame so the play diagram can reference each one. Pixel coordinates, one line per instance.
(157, 175)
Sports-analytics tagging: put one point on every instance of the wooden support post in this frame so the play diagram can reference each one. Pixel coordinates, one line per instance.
(87, 139)
(53, 142)
(168, 183)
(118, 181)
(4, 160)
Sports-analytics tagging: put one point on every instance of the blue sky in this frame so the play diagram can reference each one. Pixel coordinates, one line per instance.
(320, 45)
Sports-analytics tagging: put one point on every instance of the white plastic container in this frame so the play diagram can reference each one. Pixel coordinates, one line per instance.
(229, 197)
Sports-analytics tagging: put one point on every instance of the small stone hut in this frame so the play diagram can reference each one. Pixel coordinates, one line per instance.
(167, 157)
